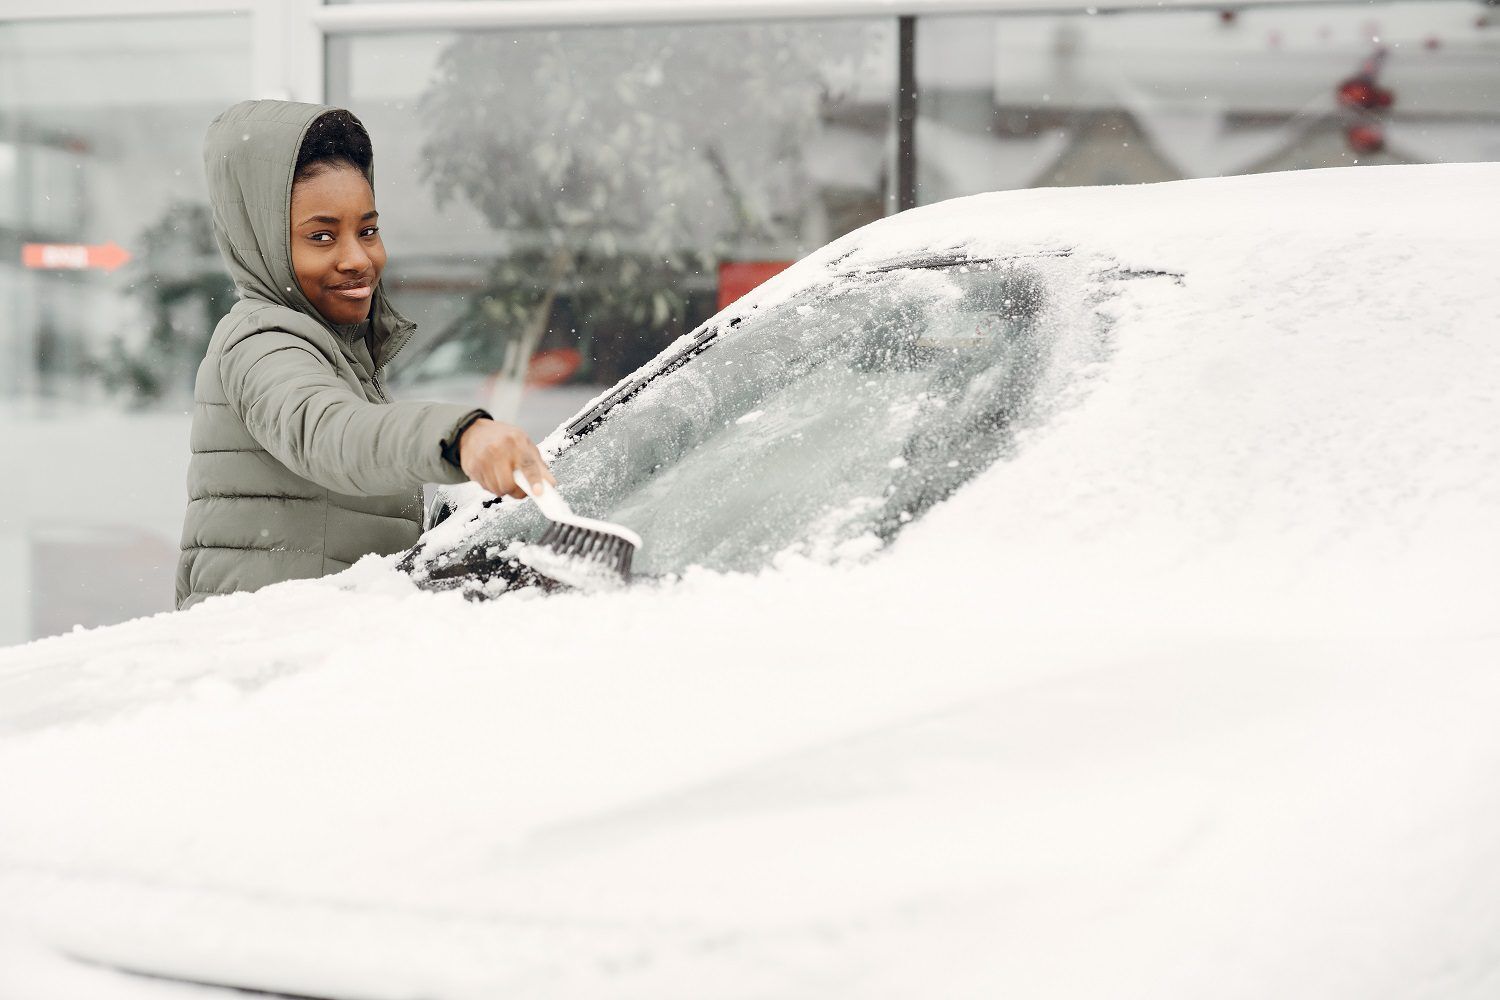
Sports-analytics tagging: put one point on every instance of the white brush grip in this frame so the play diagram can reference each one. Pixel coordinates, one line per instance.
(547, 499)
(551, 503)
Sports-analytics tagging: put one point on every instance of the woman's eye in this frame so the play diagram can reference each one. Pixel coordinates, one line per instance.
(370, 231)
(321, 237)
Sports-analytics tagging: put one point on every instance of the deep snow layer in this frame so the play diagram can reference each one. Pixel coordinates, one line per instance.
(1193, 697)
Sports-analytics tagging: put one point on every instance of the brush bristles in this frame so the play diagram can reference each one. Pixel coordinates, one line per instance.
(609, 551)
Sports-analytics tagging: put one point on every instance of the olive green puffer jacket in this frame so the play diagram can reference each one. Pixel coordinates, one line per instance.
(300, 463)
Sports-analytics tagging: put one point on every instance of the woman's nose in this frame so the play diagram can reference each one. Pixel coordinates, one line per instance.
(352, 257)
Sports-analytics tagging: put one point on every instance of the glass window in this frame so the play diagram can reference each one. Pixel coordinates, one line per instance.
(559, 203)
(1014, 102)
(109, 288)
(101, 130)
(821, 426)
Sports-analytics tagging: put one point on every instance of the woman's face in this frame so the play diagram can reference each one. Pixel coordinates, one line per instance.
(337, 255)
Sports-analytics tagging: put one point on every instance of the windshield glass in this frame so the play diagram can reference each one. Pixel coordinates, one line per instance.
(823, 424)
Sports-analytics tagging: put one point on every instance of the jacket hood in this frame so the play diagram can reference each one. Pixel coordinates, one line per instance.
(250, 156)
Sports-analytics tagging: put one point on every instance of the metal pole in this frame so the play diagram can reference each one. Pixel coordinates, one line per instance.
(906, 115)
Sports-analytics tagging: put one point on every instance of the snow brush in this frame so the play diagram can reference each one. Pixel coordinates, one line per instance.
(578, 551)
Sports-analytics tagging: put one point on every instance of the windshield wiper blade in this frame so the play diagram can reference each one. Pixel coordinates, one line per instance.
(945, 261)
(596, 414)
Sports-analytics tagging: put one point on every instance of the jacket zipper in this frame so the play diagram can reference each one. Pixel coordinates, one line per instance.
(406, 335)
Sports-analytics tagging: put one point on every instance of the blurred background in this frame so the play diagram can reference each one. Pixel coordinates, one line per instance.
(566, 186)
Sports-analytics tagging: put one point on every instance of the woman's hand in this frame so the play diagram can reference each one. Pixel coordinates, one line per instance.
(490, 452)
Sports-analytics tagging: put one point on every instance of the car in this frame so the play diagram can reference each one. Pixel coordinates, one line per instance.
(1053, 593)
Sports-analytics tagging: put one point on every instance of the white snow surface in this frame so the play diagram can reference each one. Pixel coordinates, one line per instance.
(1195, 696)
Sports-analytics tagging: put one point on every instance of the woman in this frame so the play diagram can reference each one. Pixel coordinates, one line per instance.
(301, 464)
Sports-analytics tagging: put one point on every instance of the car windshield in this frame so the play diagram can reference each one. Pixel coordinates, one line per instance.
(820, 425)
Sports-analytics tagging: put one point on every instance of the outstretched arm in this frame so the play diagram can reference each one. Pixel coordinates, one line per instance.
(285, 389)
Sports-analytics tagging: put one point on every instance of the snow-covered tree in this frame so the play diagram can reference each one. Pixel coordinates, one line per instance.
(619, 161)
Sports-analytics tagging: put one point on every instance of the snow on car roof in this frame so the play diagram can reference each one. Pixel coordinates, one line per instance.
(1196, 688)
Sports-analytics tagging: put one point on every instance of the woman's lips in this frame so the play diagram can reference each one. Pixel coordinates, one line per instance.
(352, 291)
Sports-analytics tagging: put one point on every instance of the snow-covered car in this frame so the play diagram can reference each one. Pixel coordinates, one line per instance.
(1056, 593)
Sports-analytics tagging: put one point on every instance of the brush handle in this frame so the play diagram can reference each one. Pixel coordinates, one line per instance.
(547, 498)
(551, 503)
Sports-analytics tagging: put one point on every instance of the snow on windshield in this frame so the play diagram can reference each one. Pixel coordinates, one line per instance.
(826, 422)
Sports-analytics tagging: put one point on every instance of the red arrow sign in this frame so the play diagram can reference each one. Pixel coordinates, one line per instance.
(73, 256)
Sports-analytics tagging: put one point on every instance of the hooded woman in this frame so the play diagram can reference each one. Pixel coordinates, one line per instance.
(301, 463)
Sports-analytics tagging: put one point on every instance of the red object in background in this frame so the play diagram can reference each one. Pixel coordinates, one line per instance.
(738, 277)
(553, 367)
(1357, 92)
(1363, 90)
(1365, 138)
(1364, 99)
(1364, 93)
(73, 256)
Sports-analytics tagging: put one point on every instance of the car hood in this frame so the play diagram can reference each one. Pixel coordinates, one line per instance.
(1201, 681)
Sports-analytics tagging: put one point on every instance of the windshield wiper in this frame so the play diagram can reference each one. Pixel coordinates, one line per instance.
(945, 261)
(596, 414)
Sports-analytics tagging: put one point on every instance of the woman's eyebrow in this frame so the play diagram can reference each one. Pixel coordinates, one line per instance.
(333, 221)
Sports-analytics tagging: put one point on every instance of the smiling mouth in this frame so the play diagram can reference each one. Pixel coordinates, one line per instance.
(353, 289)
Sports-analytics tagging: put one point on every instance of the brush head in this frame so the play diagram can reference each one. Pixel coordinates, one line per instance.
(593, 545)
(588, 558)
(578, 551)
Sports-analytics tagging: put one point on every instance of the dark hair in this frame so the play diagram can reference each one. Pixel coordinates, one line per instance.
(335, 138)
